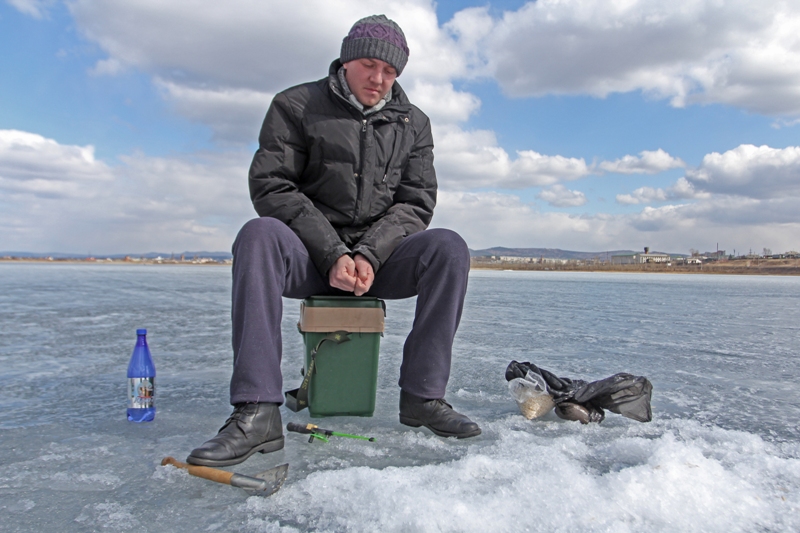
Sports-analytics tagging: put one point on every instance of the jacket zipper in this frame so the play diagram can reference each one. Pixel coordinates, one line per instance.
(360, 179)
(398, 137)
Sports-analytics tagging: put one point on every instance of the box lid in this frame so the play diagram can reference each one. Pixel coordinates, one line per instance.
(322, 315)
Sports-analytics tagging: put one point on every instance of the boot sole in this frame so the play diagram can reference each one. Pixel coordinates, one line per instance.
(414, 423)
(266, 447)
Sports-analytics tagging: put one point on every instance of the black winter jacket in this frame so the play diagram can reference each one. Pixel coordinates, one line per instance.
(344, 182)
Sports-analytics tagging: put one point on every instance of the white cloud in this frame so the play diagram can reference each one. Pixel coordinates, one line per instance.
(470, 27)
(727, 216)
(466, 160)
(473, 159)
(31, 164)
(442, 103)
(560, 196)
(57, 197)
(681, 190)
(687, 50)
(759, 172)
(245, 48)
(34, 8)
(751, 171)
(487, 219)
(220, 64)
(492, 219)
(434, 56)
(648, 162)
(257, 44)
(785, 123)
(107, 67)
(642, 195)
(713, 216)
(684, 190)
(235, 115)
(533, 168)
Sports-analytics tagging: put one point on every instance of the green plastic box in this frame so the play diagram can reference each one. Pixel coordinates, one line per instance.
(345, 374)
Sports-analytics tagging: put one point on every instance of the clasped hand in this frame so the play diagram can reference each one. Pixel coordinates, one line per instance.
(352, 274)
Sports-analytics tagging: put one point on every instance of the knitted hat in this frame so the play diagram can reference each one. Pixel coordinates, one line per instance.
(377, 37)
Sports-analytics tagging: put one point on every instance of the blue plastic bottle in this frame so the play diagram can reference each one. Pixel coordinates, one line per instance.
(141, 381)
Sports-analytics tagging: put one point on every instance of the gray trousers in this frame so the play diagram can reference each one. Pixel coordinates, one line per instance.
(270, 261)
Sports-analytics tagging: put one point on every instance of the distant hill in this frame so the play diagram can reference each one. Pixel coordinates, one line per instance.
(552, 253)
(219, 256)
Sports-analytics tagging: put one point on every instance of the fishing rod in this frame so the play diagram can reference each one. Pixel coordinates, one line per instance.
(317, 432)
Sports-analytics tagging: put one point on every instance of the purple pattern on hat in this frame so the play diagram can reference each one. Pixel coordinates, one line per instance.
(378, 31)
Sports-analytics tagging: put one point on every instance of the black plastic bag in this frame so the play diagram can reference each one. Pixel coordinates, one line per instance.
(575, 399)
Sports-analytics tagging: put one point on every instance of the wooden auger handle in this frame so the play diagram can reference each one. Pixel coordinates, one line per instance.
(205, 472)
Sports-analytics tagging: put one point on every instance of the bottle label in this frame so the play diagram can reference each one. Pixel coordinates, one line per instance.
(141, 392)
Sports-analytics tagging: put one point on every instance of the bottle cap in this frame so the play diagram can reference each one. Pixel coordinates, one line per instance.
(141, 332)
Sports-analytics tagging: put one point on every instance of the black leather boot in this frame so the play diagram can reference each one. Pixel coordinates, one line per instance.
(253, 427)
(436, 415)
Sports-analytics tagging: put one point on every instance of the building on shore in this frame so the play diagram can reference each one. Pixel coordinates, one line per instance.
(526, 259)
(637, 259)
(515, 259)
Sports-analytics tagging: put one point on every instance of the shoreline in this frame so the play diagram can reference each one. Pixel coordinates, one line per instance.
(757, 267)
(144, 262)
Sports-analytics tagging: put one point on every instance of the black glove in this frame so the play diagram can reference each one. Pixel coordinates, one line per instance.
(624, 394)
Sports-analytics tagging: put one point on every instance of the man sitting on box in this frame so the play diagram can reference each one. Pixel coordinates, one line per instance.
(343, 181)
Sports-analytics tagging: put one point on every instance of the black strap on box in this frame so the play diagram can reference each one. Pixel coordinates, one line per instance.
(297, 399)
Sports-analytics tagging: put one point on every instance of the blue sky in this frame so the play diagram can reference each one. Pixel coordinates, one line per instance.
(577, 124)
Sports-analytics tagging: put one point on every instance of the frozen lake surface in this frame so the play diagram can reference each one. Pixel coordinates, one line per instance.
(721, 455)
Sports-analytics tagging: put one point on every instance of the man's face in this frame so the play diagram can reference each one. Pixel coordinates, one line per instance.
(369, 79)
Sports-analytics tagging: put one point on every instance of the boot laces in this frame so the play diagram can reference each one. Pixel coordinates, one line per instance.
(441, 401)
(236, 416)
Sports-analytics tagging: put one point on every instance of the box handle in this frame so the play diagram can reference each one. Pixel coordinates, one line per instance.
(297, 399)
